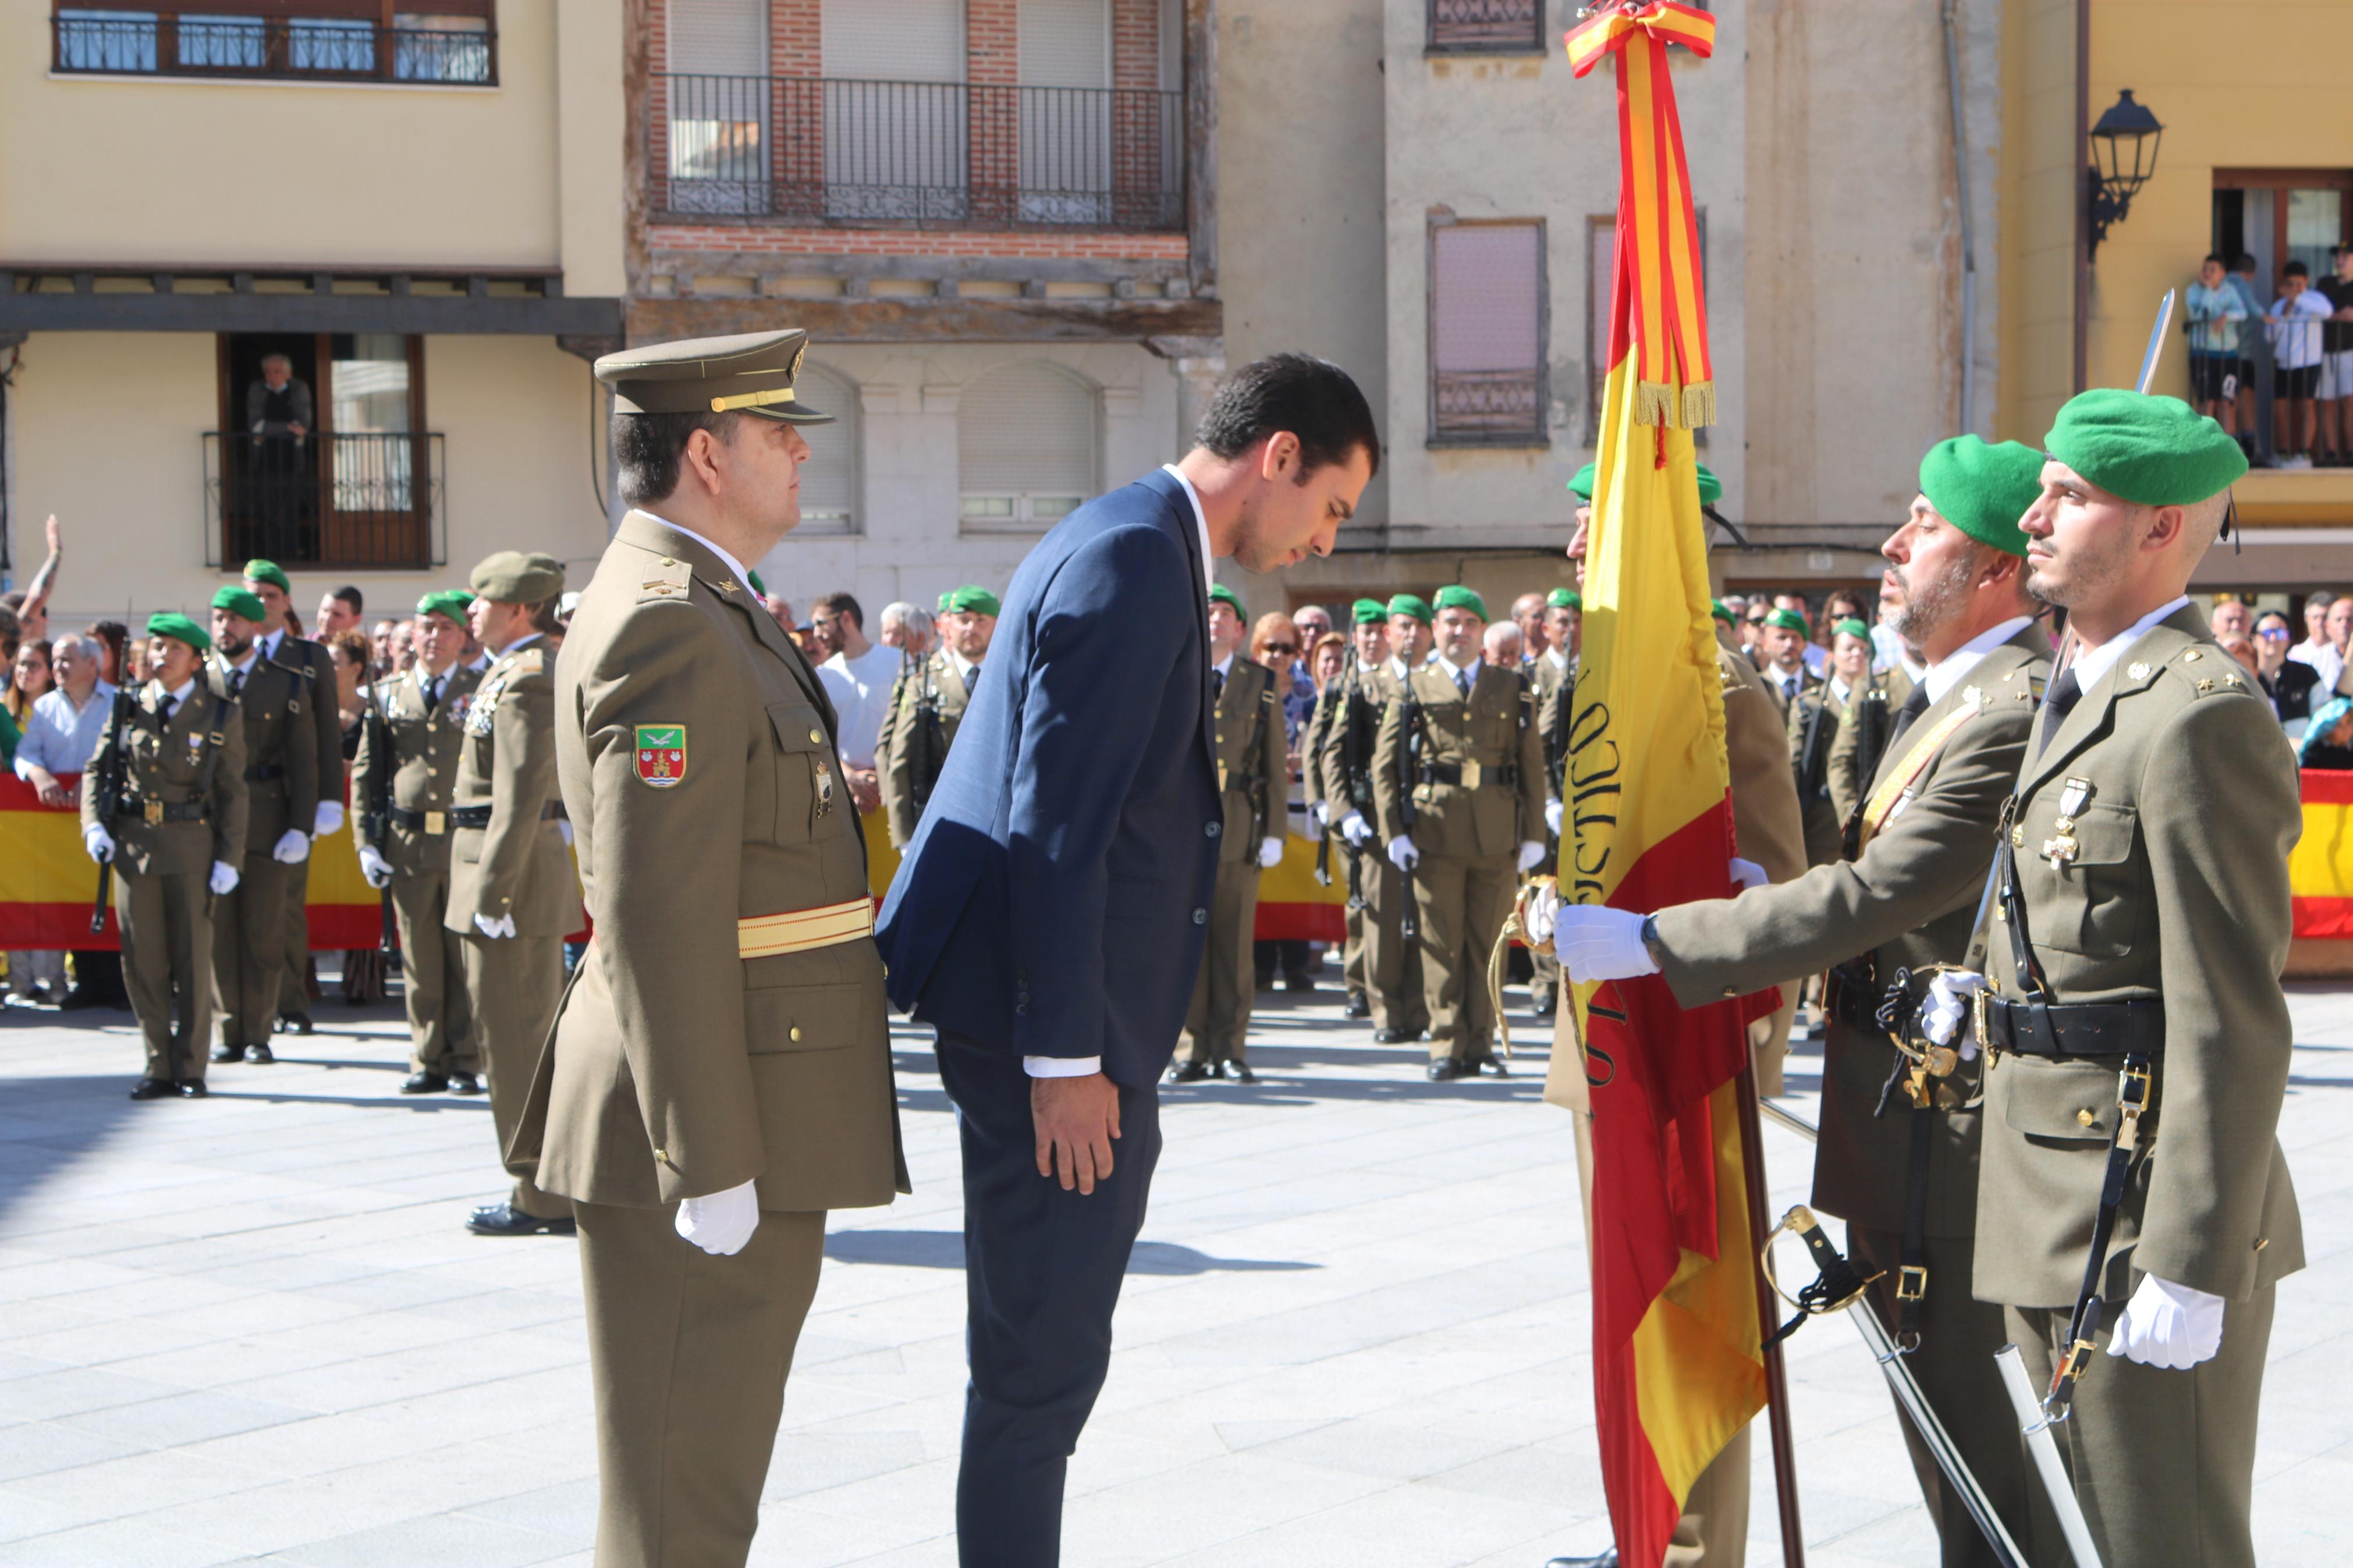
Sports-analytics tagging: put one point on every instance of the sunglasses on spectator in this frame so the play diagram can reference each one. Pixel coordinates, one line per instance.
(1278, 648)
(2273, 633)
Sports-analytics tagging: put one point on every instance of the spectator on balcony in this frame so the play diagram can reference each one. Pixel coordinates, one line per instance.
(278, 404)
(2243, 283)
(2294, 324)
(2217, 314)
(2336, 361)
(278, 415)
(2287, 682)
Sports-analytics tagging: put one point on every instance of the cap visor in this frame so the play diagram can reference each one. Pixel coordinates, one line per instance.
(790, 414)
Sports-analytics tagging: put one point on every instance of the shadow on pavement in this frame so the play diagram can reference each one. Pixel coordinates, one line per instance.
(944, 1249)
(52, 1121)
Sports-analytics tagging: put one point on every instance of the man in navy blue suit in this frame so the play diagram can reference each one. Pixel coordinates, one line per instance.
(1050, 912)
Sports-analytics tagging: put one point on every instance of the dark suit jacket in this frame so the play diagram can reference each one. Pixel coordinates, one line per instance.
(1054, 898)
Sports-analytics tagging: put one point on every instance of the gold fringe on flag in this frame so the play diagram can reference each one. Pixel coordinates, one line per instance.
(1699, 405)
(1654, 402)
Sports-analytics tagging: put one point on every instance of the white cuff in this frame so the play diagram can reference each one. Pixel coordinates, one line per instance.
(1060, 1066)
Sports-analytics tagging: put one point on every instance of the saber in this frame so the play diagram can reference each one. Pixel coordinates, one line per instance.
(2156, 349)
(2046, 1450)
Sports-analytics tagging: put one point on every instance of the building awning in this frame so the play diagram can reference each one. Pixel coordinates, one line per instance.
(72, 297)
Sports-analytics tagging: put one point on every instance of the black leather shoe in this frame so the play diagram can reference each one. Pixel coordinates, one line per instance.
(465, 1083)
(1242, 1073)
(1304, 983)
(154, 1088)
(1447, 1070)
(76, 1001)
(259, 1056)
(1359, 1007)
(1608, 1559)
(502, 1218)
(1545, 1002)
(229, 1053)
(1188, 1072)
(1388, 1037)
(1492, 1066)
(424, 1083)
(193, 1089)
(294, 1024)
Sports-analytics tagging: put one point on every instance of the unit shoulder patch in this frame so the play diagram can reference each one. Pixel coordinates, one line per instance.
(661, 755)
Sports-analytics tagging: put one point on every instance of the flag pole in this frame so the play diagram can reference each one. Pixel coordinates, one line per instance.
(1777, 1380)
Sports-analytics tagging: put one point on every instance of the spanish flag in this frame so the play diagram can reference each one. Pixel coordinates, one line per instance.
(1677, 1365)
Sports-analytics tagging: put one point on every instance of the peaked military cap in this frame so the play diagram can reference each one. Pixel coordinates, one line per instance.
(748, 373)
(516, 577)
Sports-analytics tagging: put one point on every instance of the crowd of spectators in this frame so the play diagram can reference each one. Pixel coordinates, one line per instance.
(2302, 339)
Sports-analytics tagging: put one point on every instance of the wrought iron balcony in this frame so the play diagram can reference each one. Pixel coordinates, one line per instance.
(1486, 27)
(1487, 407)
(917, 154)
(303, 48)
(325, 499)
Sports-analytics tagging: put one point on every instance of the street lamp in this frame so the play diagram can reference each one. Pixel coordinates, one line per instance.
(2124, 155)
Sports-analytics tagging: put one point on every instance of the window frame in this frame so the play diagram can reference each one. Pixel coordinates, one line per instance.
(1435, 46)
(277, 17)
(1538, 436)
(1022, 518)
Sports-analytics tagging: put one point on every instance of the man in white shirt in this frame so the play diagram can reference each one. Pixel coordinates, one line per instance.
(858, 679)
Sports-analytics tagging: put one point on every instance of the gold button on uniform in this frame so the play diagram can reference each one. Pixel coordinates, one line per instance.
(797, 1031)
(2087, 1117)
(817, 737)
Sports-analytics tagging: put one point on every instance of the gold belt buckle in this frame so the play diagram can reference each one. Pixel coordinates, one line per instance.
(1911, 1282)
(1979, 1004)
(1471, 775)
(151, 811)
(1222, 778)
(436, 823)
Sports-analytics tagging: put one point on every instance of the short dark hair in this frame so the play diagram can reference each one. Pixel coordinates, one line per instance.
(350, 595)
(541, 616)
(1312, 398)
(2217, 261)
(648, 447)
(2242, 262)
(841, 603)
(2295, 269)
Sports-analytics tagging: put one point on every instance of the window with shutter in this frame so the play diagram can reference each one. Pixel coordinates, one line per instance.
(895, 117)
(1027, 438)
(718, 102)
(1486, 27)
(1487, 333)
(829, 476)
(1066, 111)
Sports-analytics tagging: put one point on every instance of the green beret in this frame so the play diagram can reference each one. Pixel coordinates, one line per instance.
(1983, 489)
(944, 600)
(973, 597)
(1222, 594)
(260, 571)
(1789, 621)
(1580, 484)
(1412, 605)
(1455, 596)
(1722, 612)
(1368, 612)
(2151, 451)
(240, 602)
(1711, 489)
(754, 578)
(450, 604)
(1849, 627)
(169, 623)
(517, 577)
(1563, 599)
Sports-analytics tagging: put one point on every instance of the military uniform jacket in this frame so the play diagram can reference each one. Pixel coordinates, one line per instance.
(167, 765)
(1493, 730)
(1862, 743)
(1556, 686)
(900, 751)
(300, 653)
(1766, 824)
(1358, 699)
(1328, 702)
(281, 747)
(1909, 900)
(2181, 800)
(422, 759)
(699, 764)
(506, 761)
(1253, 774)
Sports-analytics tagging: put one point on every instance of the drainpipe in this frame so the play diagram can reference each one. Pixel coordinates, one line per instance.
(1968, 420)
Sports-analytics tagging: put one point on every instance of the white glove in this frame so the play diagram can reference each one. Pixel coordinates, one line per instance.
(1552, 817)
(1355, 829)
(1541, 916)
(329, 818)
(502, 926)
(293, 847)
(563, 830)
(1749, 874)
(99, 842)
(722, 1223)
(223, 879)
(1595, 943)
(2169, 1325)
(1269, 854)
(1402, 854)
(1531, 854)
(375, 867)
(1948, 1005)
(1319, 814)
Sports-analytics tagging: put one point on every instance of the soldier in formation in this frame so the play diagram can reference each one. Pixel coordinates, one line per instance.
(927, 705)
(1553, 673)
(267, 582)
(1393, 973)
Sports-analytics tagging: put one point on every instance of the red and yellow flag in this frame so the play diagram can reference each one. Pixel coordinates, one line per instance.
(1677, 1365)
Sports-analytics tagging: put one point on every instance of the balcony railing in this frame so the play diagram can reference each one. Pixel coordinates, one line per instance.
(1486, 27)
(917, 154)
(306, 49)
(1476, 407)
(325, 499)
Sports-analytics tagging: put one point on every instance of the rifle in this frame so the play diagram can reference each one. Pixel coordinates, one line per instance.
(111, 778)
(1811, 786)
(377, 819)
(1410, 765)
(1357, 775)
(931, 743)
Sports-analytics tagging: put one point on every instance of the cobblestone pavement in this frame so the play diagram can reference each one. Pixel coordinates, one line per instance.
(250, 1328)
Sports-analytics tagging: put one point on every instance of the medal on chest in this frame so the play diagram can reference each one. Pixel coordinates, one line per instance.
(2062, 849)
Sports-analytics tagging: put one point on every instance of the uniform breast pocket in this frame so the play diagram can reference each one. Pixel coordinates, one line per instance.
(806, 1018)
(2090, 896)
(806, 786)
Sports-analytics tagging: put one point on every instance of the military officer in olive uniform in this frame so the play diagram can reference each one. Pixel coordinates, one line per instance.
(1325, 793)
(408, 755)
(1554, 674)
(720, 1076)
(1903, 1176)
(267, 582)
(2135, 1026)
(1458, 781)
(1252, 775)
(1400, 1005)
(175, 843)
(513, 897)
(926, 706)
(281, 802)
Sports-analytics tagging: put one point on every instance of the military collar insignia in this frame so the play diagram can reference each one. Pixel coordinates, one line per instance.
(2140, 671)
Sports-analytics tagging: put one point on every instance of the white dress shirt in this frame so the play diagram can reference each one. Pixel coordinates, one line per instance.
(1461, 674)
(732, 564)
(1947, 672)
(2092, 663)
(1200, 523)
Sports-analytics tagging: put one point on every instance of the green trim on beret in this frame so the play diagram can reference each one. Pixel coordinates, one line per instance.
(1983, 488)
(179, 627)
(972, 597)
(2149, 450)
(517, 577)
(450, 604)
(1580, 484)
(1220, 593)
(260, 571)
(1711, 489)
(1563, 599)
(1368, 612)
(1789, 621)
(1412, 605)
(1849, 627)
(1455, 596)
(240, 602)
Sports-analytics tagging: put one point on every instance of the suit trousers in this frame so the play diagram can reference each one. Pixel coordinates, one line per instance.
(294, 986)
(1953, 1365)
(250, 951)
(514, 983)
(1218, 1021)
(2163, 1461)
(1042, 1273)
(433, 969)
(167, 966)
(688, 1355)
(1392, 965)
(1462, 904)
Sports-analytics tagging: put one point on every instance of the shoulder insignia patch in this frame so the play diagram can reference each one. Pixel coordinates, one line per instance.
(666, 578)
(661, 754)
(2138, 671)
(533, 660)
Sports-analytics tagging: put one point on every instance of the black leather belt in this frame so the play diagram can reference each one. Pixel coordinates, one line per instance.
(479, 816)
(425, 821)
(265, 772)
(1854, 1000)
(1506, 774)
(2075, 1030)
(154, 811)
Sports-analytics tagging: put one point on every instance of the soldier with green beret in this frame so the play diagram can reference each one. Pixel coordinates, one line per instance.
(1711, 489)
(1554, 674)
(927, 704)
(1384, 970)
(1320, 793)
(404, 781)
(282, 780)
(1458, 785)
(174, 832)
